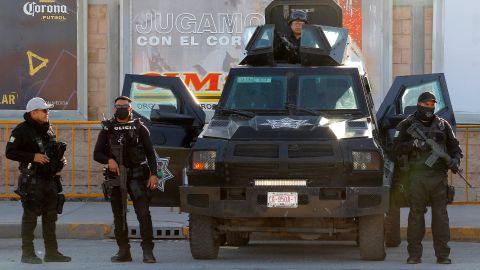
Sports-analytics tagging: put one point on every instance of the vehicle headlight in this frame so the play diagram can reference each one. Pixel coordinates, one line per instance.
(204, 160)
(366, 161)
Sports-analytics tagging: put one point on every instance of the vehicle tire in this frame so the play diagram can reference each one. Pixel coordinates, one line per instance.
(237, 239)
(204, 241)
(371, 237)
(392, 227)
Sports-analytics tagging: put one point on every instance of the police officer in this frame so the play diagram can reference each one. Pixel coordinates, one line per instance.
(428, 184)
(30, 144)
(138, 149)
(289, 46)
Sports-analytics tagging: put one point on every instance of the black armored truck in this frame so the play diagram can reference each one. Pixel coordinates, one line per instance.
(291, 148)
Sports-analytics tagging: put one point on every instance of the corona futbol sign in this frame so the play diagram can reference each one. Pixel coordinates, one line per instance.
(39, 53)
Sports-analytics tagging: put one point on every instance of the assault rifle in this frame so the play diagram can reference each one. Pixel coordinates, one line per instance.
(437, 150)
(121, 180)
(289, 46)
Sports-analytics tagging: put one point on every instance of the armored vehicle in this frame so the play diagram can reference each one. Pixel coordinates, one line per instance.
(291, 148)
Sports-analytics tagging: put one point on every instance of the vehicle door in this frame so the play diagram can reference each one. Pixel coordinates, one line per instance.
(174, 118)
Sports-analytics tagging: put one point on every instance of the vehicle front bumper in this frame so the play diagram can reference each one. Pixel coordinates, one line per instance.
(356, 201)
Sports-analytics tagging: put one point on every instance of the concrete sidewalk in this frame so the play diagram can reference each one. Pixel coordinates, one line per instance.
(94, 220)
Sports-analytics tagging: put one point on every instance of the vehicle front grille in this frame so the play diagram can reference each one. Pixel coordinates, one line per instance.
(309, 150)
(256, 150)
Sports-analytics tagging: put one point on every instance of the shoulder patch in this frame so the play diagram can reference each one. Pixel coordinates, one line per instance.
(441, 125)
(11, 140)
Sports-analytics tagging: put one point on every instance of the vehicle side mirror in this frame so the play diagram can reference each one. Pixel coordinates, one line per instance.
(159, 116)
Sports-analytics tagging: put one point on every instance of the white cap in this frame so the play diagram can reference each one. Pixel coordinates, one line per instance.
(37, 103)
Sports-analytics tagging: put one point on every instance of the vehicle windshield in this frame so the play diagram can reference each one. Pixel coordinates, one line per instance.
(301, 94)
(326, 92)
(258, 93)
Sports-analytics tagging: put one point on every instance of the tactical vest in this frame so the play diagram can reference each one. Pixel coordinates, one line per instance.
(437, 132)
(126, 135)
(44, 142)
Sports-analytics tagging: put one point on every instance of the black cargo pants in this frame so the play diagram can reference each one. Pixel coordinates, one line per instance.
(141, 206)
(425, 187)
(44, 203)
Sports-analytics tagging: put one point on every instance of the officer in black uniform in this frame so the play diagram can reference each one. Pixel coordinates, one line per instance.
(288, 47)
(141, 168)
(32, 143)
(428, 184)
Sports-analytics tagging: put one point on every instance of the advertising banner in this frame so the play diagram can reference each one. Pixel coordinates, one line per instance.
(38, 53)
(200, 40)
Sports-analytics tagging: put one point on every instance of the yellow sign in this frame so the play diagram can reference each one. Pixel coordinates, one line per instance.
(33, 70)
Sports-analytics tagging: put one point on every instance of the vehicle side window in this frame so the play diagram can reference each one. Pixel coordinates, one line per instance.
(145, 97)
(410, 96)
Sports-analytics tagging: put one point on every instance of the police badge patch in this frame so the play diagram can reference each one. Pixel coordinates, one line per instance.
(12, 139)
(163, 172)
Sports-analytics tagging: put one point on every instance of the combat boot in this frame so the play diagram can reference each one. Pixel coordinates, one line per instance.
(444, 260)
(148, 256)
(30, 257)
(414, 260)
(123, 255)
(55, 256)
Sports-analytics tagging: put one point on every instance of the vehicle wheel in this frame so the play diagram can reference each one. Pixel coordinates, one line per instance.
(371, 237)
(392, 227)
(237, 239)
(204, 241)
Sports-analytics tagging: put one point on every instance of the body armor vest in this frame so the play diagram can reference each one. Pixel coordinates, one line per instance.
(127, 135)
(437, 132)
(47, 145)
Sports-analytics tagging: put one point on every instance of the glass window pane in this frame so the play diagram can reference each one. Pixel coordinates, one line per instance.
(410, 96)
(258, 93)
(265, 39)
(327, 92)
(310, 39)
(145, 97)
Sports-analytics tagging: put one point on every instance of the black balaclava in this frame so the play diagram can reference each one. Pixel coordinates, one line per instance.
(424, 113)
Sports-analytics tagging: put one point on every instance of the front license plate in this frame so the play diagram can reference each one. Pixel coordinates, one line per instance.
(282, 199)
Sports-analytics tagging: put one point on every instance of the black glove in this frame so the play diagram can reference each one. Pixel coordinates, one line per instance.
(420, 144)
(454, 165)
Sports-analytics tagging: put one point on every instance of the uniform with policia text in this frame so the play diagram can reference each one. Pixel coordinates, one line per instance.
(130, 146)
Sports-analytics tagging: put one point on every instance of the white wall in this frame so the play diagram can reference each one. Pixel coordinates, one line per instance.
(462, 57)
(377, 45)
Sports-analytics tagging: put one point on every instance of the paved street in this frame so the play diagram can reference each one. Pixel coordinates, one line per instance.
(95, 254)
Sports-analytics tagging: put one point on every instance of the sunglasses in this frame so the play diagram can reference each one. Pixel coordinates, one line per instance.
(122, 106)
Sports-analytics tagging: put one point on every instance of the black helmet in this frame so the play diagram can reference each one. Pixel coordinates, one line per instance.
(298, 15)
(426, 96)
